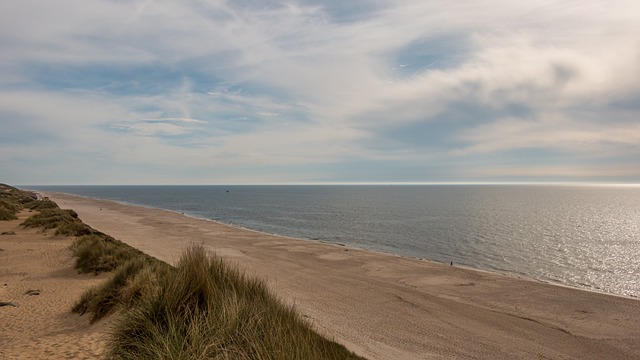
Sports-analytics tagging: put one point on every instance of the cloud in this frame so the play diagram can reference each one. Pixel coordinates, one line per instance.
(321, 89)
(178, 120)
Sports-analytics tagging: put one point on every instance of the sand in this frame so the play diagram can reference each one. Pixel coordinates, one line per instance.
(388, 307)
(42, 326)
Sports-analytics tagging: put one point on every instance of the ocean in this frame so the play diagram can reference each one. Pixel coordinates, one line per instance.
(580, 236)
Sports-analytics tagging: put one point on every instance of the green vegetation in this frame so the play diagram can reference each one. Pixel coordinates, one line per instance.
(65, 222)
(13, 200)
(199, 309)
(132, 283)
(98, 253)
(49, 215)
(203, 309)
(135, 277)
(8, 210)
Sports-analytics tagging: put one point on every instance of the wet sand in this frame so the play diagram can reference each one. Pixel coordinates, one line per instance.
(388, 307)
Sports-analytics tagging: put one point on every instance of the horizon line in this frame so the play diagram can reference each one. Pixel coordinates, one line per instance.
(374, 183)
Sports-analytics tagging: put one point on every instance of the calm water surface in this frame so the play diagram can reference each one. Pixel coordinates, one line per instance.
(583, 236)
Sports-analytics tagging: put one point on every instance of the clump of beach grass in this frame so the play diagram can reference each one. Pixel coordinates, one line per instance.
(38, 204)
(132, 283)
(65, 222)
(9, 209)
(6, 215)
(12, 200)
(97, 252)
(200, 309)
(47, 213)
(135, 275)
(204, 309)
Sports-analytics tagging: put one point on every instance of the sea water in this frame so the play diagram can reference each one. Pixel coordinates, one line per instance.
(581, 236)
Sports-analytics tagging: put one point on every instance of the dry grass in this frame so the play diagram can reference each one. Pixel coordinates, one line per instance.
(206, 310)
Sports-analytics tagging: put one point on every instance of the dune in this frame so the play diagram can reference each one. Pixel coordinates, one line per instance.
(38, 286)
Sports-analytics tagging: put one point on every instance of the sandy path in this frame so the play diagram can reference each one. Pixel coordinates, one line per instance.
(389, 307)
(42, 326)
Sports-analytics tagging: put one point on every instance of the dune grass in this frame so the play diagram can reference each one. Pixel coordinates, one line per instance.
(206, 310)
(135, 281)
(65, 222)
(48, 215)
(98, 253)
(12, 200)
(7, 211)
(200, 309)
(9, 207)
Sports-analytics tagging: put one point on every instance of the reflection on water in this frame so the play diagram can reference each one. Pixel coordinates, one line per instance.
(585, 236)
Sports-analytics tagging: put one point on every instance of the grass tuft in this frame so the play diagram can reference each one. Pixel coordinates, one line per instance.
(131, 284)
(39, 204)
(6, 214)
(204, 309)
(65, 222)
(97, 252)
(12, 200)
(8, 210)
(48, 216)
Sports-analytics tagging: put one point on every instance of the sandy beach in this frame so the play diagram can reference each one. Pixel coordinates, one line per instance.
(380, 306)
(37, 276)
(388, 307)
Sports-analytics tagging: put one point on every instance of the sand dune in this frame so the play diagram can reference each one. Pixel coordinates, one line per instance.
(37, 275)
(388, 307)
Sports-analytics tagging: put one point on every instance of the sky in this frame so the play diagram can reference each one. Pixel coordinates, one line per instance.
(268, 92)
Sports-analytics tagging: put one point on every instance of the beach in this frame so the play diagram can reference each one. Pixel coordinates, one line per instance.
(38, 279)
(389, 307)
(380, 306)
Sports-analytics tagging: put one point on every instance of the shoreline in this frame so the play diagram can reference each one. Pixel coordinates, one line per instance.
(515, 275)
(385, 306)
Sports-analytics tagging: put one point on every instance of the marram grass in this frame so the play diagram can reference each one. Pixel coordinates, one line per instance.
(98, 253)
(136, 280)
(206, 310)
(12, 200)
